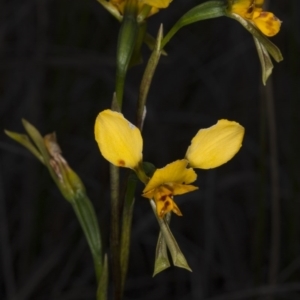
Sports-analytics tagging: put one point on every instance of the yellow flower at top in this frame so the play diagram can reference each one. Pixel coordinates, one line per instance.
(251, 10)
(155, 4)
(171, 180)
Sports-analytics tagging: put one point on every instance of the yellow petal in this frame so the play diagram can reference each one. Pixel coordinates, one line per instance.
(158, 3)
(241, 7)
(175, 172)
(259, 3)
(215, 145)
(119, 141)
(179, 189)
(163, 198)
(267, 23)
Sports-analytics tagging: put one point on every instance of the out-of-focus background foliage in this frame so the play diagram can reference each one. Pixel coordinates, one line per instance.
(57, 71)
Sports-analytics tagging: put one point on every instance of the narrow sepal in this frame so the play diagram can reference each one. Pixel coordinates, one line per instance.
(265, 60)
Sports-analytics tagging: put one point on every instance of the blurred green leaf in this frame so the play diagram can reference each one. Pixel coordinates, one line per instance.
(69, 184)
(37, 139)
(87, 218)
(204, 11)
(25, 141)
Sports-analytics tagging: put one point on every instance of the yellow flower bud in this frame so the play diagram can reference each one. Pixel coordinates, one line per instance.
(214, 146)
(119, 141)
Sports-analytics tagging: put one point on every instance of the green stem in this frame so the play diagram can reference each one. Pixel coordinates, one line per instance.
(103, 281)
(147, 78)
(126, 225)
(115, 230)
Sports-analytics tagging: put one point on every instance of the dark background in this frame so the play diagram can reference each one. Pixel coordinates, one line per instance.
(57, 71)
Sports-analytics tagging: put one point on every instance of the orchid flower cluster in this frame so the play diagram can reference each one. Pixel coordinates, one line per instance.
(121, 143)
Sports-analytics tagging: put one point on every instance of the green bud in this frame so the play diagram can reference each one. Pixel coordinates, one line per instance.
(126, 43)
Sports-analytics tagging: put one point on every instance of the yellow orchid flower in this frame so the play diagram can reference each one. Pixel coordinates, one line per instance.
(251, 10)
(119, 141)
(119, 5)
(166, 182)
(214, 146)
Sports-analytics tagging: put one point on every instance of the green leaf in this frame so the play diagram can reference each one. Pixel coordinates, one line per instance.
(87, 218)
(204, 11)
(265, 60)
(70, 186)
(25, 141)
(37, 139)
(103, 281)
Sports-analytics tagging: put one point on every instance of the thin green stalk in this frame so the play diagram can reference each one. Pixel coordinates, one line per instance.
(115, 230)
(103, 281)
(126, 225)
(147, 78)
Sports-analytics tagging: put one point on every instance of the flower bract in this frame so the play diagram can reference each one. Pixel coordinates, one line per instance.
(119, 141)
(214, 146)
(252, 11)
(173, 179)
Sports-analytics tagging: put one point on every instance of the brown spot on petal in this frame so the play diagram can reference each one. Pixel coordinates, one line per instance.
(250, 10)
(163, 198)
(121, 163)
(164, 209)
